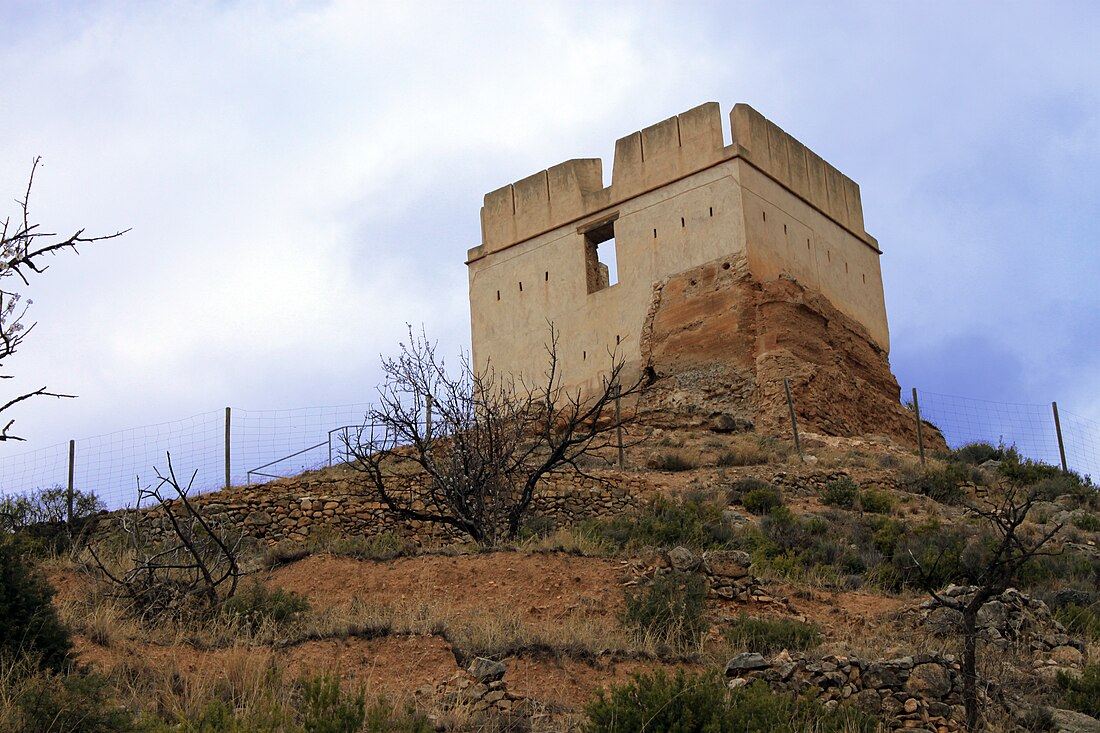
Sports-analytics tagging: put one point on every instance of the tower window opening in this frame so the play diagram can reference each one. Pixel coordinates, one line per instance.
(521, 287)
(547, 278)
(712, 211)
(498, 295)
(682, 222)
(601, 257)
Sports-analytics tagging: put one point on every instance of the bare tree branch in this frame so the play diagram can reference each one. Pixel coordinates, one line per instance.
(467, 450)
(190, 566)
(22, 248)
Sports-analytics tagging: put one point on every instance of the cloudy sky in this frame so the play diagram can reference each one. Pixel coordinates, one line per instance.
(301, 179)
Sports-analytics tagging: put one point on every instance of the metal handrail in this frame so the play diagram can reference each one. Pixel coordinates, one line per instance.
(257, 470)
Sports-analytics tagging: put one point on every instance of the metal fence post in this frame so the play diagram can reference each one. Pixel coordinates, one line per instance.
(228, 414)
(920, 429)
(1061, 445)
(794, 422)
(69, 493)
(619, 423)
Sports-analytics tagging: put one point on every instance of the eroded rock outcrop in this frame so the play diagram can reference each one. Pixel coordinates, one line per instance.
(721, 343)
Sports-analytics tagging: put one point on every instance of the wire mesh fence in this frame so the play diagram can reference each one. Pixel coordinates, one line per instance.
(276, 442)
(1031, 428)
(266, 444)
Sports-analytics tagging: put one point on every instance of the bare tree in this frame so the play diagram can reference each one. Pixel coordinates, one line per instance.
(180, 561)
(22, 248)
(990, 564)
(467, 450)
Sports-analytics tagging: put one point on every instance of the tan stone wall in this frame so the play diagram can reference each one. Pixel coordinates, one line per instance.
(679, 198)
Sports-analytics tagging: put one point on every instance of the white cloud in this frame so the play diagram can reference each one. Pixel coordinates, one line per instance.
(286, 168)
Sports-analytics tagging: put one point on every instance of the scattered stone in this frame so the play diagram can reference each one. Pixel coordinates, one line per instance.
(727, 563)
(683, 559)
(879, 675)
(929, 681)
(487, 670)
(745, 662)
(1069, 721)
(1067, 656)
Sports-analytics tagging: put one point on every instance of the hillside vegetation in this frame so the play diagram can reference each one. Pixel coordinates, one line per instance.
(750, 589)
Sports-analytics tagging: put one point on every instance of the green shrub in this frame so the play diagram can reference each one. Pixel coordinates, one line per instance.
(886, 533)
(1058, 572)
(938, 549)
(28, 622)
(45, 506)
(742, 486)
(255, 604)
(762, 500)
(941, 484)
(670, 608)
(699, 704)
(67, 703)
(1027, 472)
(654, 703)
(1081, 621)
(326, 709)
(841, 493)
(876, 502)
(663, 522)
(39, 517)
(1087, 522)
(771, 636)
(975, 454)
(536, 526)
(384, 546)
(1082, 695)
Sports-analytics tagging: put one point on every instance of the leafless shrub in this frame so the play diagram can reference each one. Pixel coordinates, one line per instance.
(179, 561)
(467, 450)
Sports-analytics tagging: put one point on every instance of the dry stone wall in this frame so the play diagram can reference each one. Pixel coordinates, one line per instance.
(336, 501)
(922, 692)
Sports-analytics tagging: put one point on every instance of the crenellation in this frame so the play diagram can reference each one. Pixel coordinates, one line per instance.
(837, 205)
(796, 167)
(750, 132)
(532, 196)
(777, 150)
(644, 160)
(815, 171)
(498, 221)
(626, 173)
(572, 186)
(852, 200)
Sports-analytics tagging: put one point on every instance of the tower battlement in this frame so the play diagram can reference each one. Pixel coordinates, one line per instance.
(657, 156)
